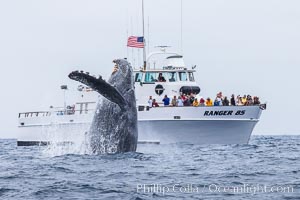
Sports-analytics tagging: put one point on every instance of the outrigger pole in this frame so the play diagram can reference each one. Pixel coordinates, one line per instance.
(144, 49)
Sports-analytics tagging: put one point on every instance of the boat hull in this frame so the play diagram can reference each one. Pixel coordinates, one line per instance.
(197, 131)
(201, 125)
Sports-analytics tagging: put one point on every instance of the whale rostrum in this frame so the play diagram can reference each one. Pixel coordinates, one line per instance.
(114, 126)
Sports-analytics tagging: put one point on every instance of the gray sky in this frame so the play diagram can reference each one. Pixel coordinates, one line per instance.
(241, 47)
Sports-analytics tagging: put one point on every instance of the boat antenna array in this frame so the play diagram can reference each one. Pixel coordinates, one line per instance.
(144, 49)
(162, 46)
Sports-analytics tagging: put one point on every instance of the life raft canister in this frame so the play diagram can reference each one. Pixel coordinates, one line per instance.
(190, 89)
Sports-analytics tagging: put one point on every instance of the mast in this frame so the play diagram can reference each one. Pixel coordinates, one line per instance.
(144, 49)
(148, 38)
(181, 28)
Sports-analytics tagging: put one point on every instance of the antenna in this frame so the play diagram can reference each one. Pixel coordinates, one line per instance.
(163, 47)
(144, 49)
(148, 34)
(132, 54)
(137, 51)
(181, 28)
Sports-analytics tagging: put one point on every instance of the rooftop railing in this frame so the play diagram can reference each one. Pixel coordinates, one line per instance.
(57, 113)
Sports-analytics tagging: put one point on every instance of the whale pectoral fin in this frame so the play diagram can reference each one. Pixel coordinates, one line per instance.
(101, 86)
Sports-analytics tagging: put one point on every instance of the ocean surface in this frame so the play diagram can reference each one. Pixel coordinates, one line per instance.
(267, 168)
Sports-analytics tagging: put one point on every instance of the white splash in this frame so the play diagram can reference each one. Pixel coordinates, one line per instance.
(66, 139)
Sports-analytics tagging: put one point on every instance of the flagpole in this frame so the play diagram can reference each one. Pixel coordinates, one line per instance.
(144, 49)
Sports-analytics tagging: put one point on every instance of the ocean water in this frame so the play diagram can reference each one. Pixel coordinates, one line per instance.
(267, 168)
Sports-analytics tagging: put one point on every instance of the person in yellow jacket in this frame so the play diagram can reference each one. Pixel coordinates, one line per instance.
(208, 102)
(196, 102)
(244, 100)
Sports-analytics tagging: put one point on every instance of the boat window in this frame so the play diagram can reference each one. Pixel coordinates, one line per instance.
(150, 77)
(191, 76)
(172, 76)
(161, 77)
(138, 77)
(182, 76)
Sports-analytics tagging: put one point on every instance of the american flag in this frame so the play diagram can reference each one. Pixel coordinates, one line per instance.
(134, 41)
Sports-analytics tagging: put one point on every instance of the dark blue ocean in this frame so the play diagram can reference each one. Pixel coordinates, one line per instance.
(267, 168)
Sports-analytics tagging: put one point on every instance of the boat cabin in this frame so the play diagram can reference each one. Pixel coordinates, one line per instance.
(172, 79)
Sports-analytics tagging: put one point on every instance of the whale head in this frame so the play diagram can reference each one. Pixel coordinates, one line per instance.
(122, 76)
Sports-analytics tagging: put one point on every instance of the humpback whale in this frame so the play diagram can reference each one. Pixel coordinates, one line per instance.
(114, 126)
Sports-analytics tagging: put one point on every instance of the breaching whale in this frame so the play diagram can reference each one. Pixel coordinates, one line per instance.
(114, 126)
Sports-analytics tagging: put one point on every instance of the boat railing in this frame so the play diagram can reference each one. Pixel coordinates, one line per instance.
(144, 107)
(51, 113)
(34, 114)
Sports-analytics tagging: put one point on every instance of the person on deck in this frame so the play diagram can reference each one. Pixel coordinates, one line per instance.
(219, 99)
(166, 100)
(256, 101)
(216, 102)
(192, 98)
(232, 100)
(225, 101)
(179, 101)
(202, 102)
(249, 101)
(196, 103)
(174, 101)
(240, 102)
(208, 102)
(154, 103)
(187, 101)
(150, 101)
(244, 100)
(183, 98)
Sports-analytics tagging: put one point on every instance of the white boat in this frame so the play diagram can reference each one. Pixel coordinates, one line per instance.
(164, 124)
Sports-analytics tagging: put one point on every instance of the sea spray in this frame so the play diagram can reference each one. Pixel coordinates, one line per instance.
(70, 142)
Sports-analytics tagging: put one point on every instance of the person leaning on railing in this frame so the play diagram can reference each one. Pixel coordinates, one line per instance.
(225, 101)
(179, 101)
(202, 102)
(232, 100)
(187, 101)
(208, 102)
(190, 100)
(154, 103)
(256, 101)
(174, 101)
(150, 102)
(166, 100)
(196, 103)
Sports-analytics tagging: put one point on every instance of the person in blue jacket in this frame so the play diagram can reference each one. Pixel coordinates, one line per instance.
(166, 100)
